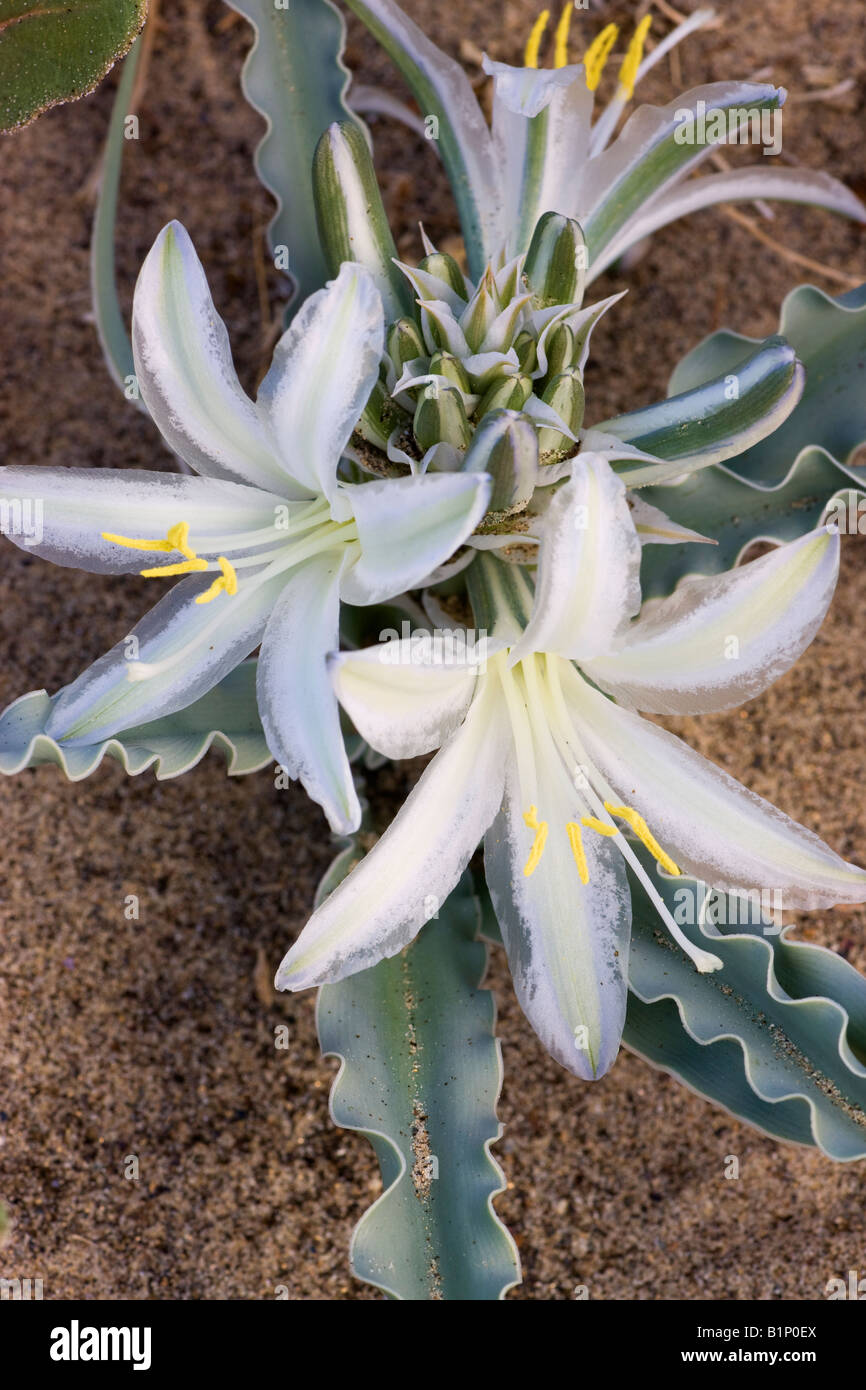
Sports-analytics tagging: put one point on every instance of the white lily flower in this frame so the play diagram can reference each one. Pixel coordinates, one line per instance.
(268, 538)
(553, 774)
(545, 153)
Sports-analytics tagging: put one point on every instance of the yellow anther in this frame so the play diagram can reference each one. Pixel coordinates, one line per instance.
(632, 60)
(132, 544)
(169, 571)
(641, 829)
(178, 538)
(598, 53)
(540, 828)
(533, 43)
(227, 581)
(601, 826)
(576, 842)
(560, 52)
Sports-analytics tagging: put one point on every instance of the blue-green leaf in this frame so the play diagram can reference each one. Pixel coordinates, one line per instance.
(828, 334)
(296, 78)
(714, 420)
(420, 1079)
(226, 718)
(113, 333)
(778, 1036)
(716, 502)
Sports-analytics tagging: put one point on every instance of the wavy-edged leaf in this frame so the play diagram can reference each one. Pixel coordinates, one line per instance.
(828, 334)
(113, 334)
(420, 1077)
(442, 89)
(295, 77)
(777, 1036)
(712, 421)
(736, 513)
(226, 718)
(55, 53)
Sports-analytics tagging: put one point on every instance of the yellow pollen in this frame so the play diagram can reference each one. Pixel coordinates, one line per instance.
(576, 842)
(560, 52)
(641, 829)
(632, 60)
(227, 581)
(598, 53)
(533, 43)
(540, 828)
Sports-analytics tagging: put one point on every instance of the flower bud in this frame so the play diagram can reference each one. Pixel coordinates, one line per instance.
(507, 393)
(555, 266)
(564, 394)
(444, 267)
(352, 222)
(405, 343)
(380, 416)
(505, 445)
(525, 347)
(440, 417)
(561, 350)
(447, 365)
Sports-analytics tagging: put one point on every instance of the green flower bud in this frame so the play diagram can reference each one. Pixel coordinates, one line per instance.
(555, 266)
(505, 445)
(444, 267)
(447, 365)
(525, 347)
(508, 393)
(352, 222)
(380, 416)
(565, 395)
(560, 351)
(440, 417)
(405, 343)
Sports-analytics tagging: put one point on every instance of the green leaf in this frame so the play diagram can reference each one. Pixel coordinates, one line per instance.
(55, 53)
(735, 513)
(709, 423)
(828, 334)
(226, 718)
(113, 333)
(777, 1037)
(295, 77)
(420, 1077)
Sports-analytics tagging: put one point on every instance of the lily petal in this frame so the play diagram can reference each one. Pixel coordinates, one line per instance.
(567, 942)
(178, 652)
(323, 370)
(409, 873)
(297, 703)
(719, 640)
(812, 187)
(541, 129)
(408, 697)
(408, 526)
(184, 368)
(588, 582)
(647, 157)
(64, 512)
(715, 828)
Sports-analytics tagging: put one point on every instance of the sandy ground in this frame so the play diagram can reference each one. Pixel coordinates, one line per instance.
(154, 1037)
